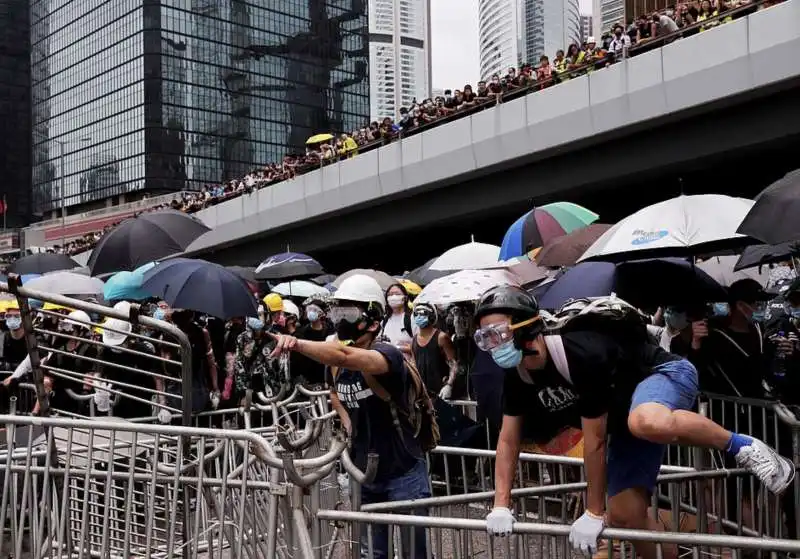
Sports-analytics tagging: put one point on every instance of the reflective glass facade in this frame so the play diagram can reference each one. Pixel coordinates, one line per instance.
(15, 111)
(169, 95)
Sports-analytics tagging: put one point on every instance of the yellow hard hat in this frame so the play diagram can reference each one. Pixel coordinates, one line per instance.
(411, 288)
(274, 302)
(8, 304)
(54, 307)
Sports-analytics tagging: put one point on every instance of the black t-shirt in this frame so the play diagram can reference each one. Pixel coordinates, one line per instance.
(469, 97)
(732, 363)
(14, 351)
(128, 407)
(302, 366)
(604, 371)
(371, 418)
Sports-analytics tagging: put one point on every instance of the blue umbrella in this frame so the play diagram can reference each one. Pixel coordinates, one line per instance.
(201, 286)
(288, 265)
(651, 282)
(125, 286)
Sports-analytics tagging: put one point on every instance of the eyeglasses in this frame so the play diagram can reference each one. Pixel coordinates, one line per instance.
(348, 314)
(494, 335)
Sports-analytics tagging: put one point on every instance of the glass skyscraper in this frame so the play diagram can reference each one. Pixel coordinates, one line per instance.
(168, 95)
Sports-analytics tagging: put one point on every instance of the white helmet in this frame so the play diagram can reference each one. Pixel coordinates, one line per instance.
(290, 308)
(124, 307)
(79, 319)
(361, 289)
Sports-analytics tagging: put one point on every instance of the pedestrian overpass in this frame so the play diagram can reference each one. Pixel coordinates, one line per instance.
(745, 72)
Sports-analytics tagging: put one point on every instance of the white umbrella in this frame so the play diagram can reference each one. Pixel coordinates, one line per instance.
(67, 283)
(524, 269)
(299, 288)
(721, 269)
(466, 285)
(682, 226)
(471, 256)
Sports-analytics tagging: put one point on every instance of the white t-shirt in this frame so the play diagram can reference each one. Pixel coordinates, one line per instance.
(394, 330)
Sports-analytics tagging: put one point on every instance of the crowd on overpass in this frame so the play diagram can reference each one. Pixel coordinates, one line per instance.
(623, 40)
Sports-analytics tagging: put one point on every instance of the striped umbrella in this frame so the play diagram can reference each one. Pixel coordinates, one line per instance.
(540, 225)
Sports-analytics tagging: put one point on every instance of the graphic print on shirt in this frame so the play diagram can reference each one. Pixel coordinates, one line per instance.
(350, 394)
(556, 399)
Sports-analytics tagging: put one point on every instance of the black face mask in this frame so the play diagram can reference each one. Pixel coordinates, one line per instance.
(349, 331)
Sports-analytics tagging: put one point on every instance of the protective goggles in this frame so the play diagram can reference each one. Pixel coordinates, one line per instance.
(495, 335)
(314, 308)
(349, 314)
(424, 311)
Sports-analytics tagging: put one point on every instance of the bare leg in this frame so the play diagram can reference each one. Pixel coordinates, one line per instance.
(628, 509)
(659, 424)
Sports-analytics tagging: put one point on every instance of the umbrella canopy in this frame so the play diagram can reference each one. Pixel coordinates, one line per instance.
(651, 282)
(125, 286)
(299, 289)
(758, 255)
(42, 263)
(682, 226)
(543, 224)
(324, 279)
(775, 216)
(143, 239)
(424, 275)
(464, 286)
(318, 138)
(247, 273)
(288, 265)
(470, 256)
(566, 249)
(721, 268)
(201, 286)
(383, 279)
(67, 283)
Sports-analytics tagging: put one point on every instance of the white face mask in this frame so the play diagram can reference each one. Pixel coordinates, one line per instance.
(395, 301)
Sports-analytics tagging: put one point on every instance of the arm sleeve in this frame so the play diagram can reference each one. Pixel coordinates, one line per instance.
(592, 359)
(23, 368)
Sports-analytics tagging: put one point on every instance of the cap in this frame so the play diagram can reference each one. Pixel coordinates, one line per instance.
(747, 290)
(115, 331)
(591, 39)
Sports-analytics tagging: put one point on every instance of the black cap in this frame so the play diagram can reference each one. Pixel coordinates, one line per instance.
(747, 290)
(507, 299)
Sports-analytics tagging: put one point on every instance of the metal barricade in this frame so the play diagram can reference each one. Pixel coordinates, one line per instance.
(151, 372)
(445, 537)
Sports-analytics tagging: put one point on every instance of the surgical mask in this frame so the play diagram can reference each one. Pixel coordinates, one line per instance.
(506, 355)
(312, 316)
(721, 309)
(159, 314)
(675, 319)
(255, 324)
(395, 301)
(14, 322)
(421, 320)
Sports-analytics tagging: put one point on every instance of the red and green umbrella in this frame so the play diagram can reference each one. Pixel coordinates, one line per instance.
(540, 225)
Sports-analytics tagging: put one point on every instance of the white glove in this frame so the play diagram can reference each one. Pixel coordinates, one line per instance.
(446, 392)
(584, 532)
(102, 398)
(500, 521)
(164, 417)
(214, 400)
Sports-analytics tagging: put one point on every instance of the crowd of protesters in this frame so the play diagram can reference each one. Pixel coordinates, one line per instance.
(623, 40)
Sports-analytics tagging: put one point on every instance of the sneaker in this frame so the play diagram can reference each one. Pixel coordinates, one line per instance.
(774, 471)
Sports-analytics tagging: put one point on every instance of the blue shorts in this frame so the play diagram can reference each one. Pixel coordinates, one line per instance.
(634, 462)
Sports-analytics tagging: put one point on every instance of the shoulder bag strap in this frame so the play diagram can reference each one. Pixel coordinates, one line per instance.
(555, 347)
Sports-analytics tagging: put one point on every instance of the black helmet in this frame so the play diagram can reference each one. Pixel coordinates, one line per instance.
(507, 299)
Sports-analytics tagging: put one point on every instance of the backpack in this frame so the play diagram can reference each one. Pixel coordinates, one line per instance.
(417, 411)
(610, 315)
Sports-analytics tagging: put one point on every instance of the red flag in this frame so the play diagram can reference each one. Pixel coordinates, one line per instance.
(3, 206)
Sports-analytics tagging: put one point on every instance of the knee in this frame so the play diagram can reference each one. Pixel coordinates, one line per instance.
(656, 426)
(629, 518)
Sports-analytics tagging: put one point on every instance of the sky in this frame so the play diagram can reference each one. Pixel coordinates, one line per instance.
(454, 30)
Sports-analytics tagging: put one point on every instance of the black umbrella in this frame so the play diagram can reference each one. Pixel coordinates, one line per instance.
(247, 273)
(324, 279)
(758, 255)
(146, 238)
(42, 263)
(200, 286)
(775, 217)
(288, 265)
(424, 275)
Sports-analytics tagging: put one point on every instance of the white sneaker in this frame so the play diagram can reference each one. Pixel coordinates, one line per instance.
(774, 471)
